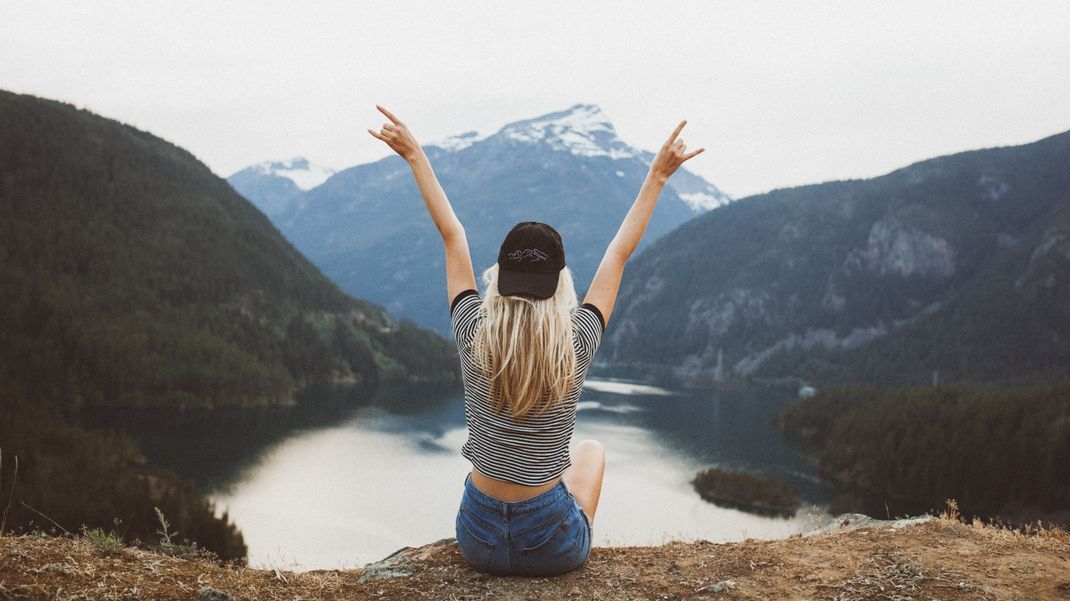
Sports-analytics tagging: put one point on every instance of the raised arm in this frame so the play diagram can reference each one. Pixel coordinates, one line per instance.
(603, 290)
(459, 273)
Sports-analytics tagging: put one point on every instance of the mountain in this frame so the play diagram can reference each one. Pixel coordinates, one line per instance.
(130, 275)
(272, 185)
(368, 230)
(958, 265)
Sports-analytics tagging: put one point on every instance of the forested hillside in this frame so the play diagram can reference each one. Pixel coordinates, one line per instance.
(130, 275)
(958, 265)
(61, 477)
(999, 453)
(1011, 323)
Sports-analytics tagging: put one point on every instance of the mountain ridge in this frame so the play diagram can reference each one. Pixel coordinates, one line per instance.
(275, 183)
(806, 275)
(567, 168)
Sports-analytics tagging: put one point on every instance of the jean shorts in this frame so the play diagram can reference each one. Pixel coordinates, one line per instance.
(545, 535)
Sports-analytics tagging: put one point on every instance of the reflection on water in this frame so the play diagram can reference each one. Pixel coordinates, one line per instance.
(597, 406)
(623, 387)
(352, 476)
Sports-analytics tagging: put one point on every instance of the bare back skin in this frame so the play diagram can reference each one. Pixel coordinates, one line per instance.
(584, 477)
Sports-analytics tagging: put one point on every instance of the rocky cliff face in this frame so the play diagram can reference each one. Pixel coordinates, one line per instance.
(897, 248)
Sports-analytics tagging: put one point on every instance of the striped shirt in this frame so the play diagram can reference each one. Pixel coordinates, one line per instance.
(534, 450)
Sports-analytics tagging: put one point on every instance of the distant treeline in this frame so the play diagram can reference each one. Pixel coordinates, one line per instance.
(998, 452)
(75, 477)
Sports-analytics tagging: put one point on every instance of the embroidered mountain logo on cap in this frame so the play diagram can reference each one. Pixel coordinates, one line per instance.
(531, 254)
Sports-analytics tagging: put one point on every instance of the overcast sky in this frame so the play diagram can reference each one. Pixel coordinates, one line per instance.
(779, 93)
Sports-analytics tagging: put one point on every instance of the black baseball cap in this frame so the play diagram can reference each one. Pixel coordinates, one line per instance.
(530, 261)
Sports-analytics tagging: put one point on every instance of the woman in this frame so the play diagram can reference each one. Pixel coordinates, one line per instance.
(528, 505)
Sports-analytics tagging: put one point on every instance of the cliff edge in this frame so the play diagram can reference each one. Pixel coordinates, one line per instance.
(853, 558)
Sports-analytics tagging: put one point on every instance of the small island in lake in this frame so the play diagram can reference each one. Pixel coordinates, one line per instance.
(746, 492)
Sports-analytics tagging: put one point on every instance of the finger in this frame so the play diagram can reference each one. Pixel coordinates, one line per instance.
(689, 155)
(377, 135)
(388, 114)
(388, 126)
(676, 132)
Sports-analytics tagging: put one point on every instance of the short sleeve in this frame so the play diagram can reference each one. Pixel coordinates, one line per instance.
(590, 325)
(464, 312)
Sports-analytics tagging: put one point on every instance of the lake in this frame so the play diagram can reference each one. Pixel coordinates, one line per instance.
(350, 476)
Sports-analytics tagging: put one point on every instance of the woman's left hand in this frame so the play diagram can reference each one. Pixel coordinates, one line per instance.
(671, 156)
(397, 135)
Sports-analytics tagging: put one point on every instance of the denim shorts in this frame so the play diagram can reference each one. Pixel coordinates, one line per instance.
(545, 535)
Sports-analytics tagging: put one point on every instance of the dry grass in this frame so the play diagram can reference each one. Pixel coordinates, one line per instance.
(894, 576)
(943, 558)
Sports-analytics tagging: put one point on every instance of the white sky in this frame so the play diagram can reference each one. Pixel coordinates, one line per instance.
(779, 93)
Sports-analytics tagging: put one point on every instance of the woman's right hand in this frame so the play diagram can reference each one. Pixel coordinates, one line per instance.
(397, 136)
(671, 156)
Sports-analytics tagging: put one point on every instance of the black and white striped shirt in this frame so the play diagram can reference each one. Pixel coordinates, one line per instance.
(534, 450)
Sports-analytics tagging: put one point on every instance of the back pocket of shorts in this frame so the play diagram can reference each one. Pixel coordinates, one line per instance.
(556, 550)
(475, 543)
(560, 527)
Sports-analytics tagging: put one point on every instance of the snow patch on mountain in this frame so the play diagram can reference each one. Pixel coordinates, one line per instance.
(460, 141)
(303, 174)
(704, 201)
(582, 130)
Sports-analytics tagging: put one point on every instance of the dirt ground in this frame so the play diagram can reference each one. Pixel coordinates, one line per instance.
(941, 558)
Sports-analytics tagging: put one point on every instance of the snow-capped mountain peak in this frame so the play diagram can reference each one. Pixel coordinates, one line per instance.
(303, 174)
(582, 129)
(580, 137)
(460, 141)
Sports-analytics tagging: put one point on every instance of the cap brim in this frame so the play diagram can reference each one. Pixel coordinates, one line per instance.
(527, 283)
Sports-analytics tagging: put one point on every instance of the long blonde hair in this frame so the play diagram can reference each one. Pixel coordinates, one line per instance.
(525, 346)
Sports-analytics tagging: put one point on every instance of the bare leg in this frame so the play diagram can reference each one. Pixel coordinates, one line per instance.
(584, 477)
